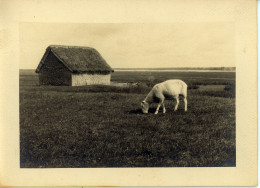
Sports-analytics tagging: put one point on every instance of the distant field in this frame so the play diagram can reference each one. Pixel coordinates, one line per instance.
(29, 77)
(233, 69)
(102, 126)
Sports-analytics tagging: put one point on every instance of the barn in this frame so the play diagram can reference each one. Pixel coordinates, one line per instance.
(73, 66)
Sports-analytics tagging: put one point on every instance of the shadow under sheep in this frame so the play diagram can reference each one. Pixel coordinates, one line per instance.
(153, 109)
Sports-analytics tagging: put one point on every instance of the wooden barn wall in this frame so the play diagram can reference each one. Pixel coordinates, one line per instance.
(90, 79)
(54, 72)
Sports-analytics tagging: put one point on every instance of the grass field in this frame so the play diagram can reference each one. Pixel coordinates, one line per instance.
(102, 126)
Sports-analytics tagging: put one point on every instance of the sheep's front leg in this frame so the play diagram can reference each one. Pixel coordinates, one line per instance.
(177, 103)
(164, 110)
(158, 106)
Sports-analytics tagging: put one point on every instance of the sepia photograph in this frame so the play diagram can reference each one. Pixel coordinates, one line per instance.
(128, 93)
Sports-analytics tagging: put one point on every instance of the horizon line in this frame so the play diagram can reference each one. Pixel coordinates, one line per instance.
(221, 67)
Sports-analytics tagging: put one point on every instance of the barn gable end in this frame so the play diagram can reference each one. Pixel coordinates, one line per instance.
(53, 72)
(72, 65)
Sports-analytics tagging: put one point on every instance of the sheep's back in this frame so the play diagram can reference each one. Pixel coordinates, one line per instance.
(171, 88)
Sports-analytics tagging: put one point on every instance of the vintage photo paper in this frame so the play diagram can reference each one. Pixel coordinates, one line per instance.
(65, 122)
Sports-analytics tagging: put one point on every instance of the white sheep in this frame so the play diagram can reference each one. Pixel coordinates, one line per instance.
(170, 89)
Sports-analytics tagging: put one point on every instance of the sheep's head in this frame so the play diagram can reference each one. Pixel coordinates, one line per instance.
(145, 107)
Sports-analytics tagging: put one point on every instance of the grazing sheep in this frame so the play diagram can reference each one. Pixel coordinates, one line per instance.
(170, 89)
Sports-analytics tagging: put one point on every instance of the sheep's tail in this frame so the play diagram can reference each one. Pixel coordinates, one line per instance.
(184, 89)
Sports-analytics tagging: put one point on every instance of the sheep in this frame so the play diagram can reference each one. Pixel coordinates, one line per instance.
(165, 90)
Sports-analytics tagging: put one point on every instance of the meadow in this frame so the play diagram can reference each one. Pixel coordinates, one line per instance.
(103, 126)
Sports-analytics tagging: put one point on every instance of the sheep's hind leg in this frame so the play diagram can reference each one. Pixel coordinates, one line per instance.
(185, 104)
(177, 103)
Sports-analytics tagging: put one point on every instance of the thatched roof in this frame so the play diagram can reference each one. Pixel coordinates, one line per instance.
(77, 59)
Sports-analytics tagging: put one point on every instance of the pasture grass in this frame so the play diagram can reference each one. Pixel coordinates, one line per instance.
(100, 126)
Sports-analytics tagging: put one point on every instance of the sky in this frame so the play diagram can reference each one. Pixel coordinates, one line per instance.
(135, 45)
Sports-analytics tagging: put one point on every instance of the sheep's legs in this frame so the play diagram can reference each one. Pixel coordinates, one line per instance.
(177, 103)
(164, 110)
(185, 103)
(158, 106)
